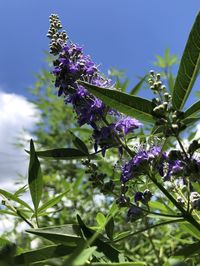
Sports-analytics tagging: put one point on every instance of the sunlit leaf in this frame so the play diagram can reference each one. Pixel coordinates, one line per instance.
(189, 67)
(35, 177)
(50, 203)
(128, 104)
(64, 234)
(193, 110)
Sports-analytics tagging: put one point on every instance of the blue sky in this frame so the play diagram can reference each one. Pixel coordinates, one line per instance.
(126, 34)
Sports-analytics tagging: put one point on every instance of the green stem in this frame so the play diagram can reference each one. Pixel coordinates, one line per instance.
(145, 229)
(160, 263)
(185, 214)
(23, 218)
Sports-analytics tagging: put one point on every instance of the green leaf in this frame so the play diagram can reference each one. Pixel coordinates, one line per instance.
(64, 234)
(136, 88)
(62, 154)
(190, 120)
(7, 253)
(188, 250)
(13, 197)
(80, 257)
(79, 143)
(128, 104)
(189, 228)
(8, 212)
(193, 110)
(44, 253)
(21, 191)
(35, 177)
(170, 80)
(135, 263)
(189, 67)
(109, 251)
(101, 219)
(110, 228)
(50, 203)
(4, 242)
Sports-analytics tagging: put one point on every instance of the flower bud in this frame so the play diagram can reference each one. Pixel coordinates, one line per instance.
(152, 73)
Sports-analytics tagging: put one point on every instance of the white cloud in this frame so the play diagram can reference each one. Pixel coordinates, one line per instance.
(16, 114)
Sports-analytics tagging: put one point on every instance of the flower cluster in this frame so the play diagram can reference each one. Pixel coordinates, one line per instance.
(165, 116)
(72, 65)
(139, 164)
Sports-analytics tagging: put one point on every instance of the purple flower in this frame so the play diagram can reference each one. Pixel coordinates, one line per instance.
(104, 138)
(72, 65)
(139, 163)
(140, 157)
(174, 167)
(127, 171)
(127, 125)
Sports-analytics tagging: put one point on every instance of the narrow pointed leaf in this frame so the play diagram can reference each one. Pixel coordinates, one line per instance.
(52, 251)
(135, 90)
(128, 104)
(64, 234)
(35, 177)
(188, 250)
(109, 251)
(79, 143)
(193, 110)
(191, 120)
(13, 197)
(110, 228)
(135, 263)
(189, 67)
(62, 154)
(50, 203)
(80, 256)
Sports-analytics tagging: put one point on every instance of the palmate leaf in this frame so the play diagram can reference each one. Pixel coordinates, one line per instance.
(189, 67)
(35, 177)
(128, 104)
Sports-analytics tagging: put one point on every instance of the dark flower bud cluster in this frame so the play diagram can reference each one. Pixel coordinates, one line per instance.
(193, 147)
(163, 112)
(134, 213)
(143, 197)
(98, 179)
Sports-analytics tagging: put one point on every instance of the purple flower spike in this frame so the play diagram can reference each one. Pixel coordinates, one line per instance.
(127, 125)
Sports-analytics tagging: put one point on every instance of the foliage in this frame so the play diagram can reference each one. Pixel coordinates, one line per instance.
(149, 213)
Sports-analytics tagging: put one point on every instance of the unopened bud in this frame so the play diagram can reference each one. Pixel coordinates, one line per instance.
(152, 73)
